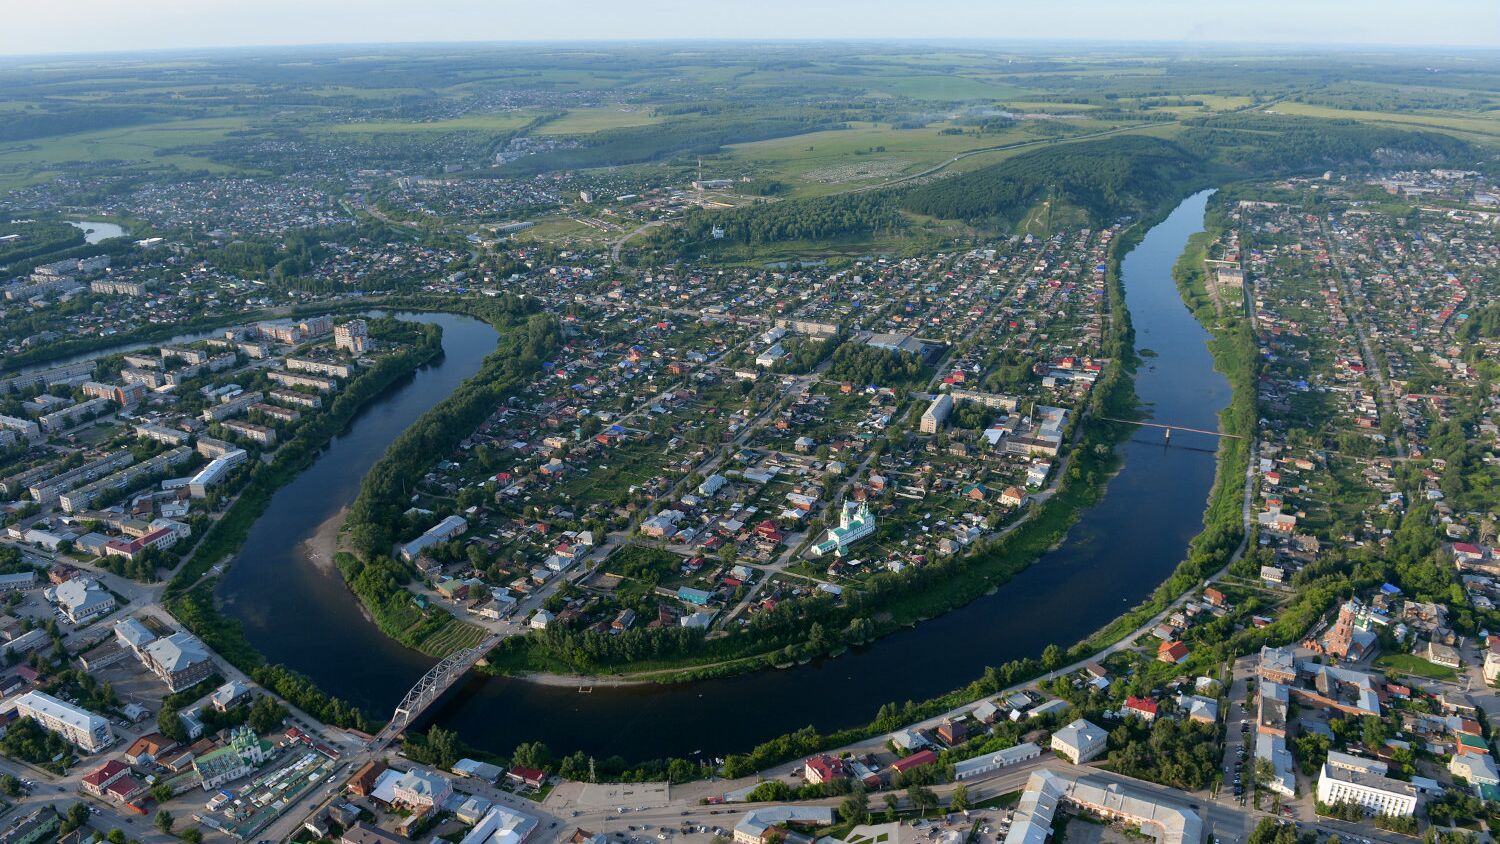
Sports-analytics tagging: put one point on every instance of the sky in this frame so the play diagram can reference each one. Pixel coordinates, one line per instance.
(72, 26)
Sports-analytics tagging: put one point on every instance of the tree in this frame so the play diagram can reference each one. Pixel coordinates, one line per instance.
(890, 807)
(10, 786)
(77, 816)
(116, 836)
(266, 714)
(923, 798)
(855, 808)
(1263, 771)
(960, 801)
(164, 820)
(192, 835)
(443, 745)
(1373, 732)
(1052, 657)
(161, 792)
(169, 724)
(534, 755)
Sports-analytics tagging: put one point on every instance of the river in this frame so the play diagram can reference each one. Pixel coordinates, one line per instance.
(298, 612)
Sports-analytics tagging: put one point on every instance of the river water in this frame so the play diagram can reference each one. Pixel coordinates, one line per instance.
(297, 611)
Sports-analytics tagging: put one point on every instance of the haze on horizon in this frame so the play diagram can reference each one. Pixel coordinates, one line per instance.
(86, 26)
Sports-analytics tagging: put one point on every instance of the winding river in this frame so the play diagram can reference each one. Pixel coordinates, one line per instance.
(297, 611)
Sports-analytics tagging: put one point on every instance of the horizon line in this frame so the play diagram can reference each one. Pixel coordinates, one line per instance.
(972, 42)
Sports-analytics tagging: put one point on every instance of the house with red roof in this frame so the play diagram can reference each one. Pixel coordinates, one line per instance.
(125, 790)
(824, 768)
(526, 776)
(1468, 552)
(102, 777)
(1172, 652)
(916, 760)
(768, 531)
(1142, 706)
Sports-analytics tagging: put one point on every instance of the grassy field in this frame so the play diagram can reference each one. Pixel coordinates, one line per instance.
(455, 635)
(870, 153)
(1415, 666)
(134, 144)
(1468, 125)
(502, 122)
(584, 121)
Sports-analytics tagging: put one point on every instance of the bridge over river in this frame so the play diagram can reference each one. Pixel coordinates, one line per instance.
(431, 686)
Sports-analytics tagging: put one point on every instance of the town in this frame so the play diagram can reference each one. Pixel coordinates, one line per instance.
(754, 402)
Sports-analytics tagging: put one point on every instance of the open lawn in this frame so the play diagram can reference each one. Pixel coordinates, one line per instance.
(584, 121)
(1485, 124)
(132, 144)
(870, 153)
(1415, 666)
(502, 122)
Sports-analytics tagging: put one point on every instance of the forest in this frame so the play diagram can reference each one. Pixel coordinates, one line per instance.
(1267, 144)
(1105, 178)
(828, 218)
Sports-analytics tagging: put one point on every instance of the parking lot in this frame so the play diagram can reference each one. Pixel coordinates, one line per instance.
(1239, 738)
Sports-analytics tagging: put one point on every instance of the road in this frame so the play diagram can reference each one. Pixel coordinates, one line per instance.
(62, 792)
(614, 249)
(1227, 823)
(1374, 366)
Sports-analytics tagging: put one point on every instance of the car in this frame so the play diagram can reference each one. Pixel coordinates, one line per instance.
(684, 814)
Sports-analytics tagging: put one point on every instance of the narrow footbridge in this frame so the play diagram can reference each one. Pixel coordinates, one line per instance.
(1171, 428)
(438, 679)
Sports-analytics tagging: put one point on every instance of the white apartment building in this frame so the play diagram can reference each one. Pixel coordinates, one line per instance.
(79, 726)
(1375, 794)
(936, 414)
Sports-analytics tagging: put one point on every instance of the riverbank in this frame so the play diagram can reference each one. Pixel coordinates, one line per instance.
(188, 595)
(323, 547)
